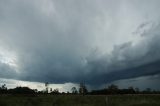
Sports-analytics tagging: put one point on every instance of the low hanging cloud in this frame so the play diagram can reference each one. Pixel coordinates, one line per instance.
(129, 61)
(74, 41)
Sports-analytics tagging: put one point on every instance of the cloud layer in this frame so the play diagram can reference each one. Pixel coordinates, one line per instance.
(72, 41)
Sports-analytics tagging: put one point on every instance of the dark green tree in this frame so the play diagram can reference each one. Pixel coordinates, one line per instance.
(83, 89)
(131, 90)
(46, 86)
(137, 90)
(74, 90)
(4, 87)
(113, 89)
(55, 91)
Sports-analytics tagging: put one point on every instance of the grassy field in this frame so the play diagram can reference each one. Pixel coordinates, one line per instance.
(77, 100)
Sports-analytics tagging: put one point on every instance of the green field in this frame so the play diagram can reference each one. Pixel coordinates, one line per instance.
(77, 100)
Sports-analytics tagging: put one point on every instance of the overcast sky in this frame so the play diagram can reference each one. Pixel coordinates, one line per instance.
(69, 41)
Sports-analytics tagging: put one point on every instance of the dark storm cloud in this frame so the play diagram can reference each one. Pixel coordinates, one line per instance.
(144, 70)
(127, 60)
(55, 41)
(7, 71)
(49, 41)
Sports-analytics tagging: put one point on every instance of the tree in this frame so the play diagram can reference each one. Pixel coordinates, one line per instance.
(55, 91)
(82, 89)
(4, 87)
(74, 90)
(50, 89)
(46, 85)
(131, 90)
(148, 90)
(113, 89)
(22, 90)
(137, 90)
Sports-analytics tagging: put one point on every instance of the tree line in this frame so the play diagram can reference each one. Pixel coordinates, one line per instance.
(82, 90)
(114, 89)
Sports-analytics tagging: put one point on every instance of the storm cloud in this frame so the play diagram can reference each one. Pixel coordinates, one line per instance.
(72, 41)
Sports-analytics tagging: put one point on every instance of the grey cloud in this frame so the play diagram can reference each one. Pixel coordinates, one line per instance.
(47, 46)
(128, 60)
(7, 71)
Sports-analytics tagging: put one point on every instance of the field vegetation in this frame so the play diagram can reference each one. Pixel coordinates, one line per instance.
(79, 100)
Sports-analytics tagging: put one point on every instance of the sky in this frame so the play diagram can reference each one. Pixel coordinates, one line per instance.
(65, 42)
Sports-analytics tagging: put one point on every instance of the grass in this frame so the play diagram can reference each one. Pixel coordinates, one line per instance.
(78, 100)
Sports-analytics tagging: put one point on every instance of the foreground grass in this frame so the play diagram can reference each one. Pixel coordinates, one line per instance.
(77, 100)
